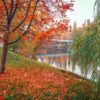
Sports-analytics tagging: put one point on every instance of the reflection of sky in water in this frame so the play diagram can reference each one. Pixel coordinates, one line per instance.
(61, 61)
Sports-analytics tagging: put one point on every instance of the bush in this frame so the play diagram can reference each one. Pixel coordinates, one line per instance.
(83, 90)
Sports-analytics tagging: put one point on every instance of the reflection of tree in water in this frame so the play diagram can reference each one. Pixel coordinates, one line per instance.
(58, 61)
(95, 72)
(64, 62)
(49, 59)
(86, 70)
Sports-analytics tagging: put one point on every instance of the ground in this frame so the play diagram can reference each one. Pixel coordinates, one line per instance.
(31, 79)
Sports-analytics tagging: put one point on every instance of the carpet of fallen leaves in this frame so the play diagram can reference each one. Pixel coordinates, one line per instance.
(37, 81)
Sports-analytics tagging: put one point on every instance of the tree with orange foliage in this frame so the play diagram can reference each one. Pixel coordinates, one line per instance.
(47, 28)
(13, 16)
(17, 18)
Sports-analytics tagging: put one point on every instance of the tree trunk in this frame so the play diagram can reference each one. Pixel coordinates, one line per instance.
(4, 56)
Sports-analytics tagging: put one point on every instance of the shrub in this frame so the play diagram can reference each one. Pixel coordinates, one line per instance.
(83, 90)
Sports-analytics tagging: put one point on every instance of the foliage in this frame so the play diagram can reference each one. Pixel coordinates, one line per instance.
(17, 18)
(83, 90)
(15, 47)
(21, 23)
(17, 91)
(32, 79)
(39, 39)
(86, 45)
(40, 81)
(19, 61)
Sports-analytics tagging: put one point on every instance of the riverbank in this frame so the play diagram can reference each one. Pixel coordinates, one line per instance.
(25, 79)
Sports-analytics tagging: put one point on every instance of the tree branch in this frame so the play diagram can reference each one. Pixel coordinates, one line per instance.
(28, 26)
(23, 19)
(5, 8)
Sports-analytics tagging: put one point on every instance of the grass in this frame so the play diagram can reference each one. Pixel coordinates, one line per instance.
(25, 79)
(18, 61)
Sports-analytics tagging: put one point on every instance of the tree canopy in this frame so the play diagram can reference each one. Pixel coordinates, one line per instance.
(86, 46)
(17, 18)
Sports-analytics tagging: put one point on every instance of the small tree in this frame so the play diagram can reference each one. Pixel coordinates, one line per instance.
(13, 20)
(16, 18)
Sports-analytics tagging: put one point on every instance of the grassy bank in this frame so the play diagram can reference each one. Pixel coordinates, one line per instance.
(25, 79)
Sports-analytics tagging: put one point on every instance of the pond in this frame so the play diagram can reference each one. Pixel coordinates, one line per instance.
(62, 61)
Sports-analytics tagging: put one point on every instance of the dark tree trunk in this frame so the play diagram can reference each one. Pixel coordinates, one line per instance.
(4, 56)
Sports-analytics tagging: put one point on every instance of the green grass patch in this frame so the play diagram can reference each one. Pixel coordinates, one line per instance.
(18, 61)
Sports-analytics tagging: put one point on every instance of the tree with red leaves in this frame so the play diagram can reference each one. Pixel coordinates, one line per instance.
(17, 18)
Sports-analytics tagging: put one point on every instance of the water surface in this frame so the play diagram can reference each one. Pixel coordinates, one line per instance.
(62, 61)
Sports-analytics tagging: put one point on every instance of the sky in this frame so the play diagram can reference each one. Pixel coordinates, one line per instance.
(83, 10)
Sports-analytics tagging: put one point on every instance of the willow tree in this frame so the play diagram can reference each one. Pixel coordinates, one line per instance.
(86, 46)
(86, 42)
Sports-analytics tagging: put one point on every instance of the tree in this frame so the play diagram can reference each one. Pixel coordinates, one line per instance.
(17, 18)
(13, 16)
(39, 40)
(46, 26)
(86, 43)
(86, 46)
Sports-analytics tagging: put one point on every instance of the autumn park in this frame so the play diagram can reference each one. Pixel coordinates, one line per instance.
(47, 52)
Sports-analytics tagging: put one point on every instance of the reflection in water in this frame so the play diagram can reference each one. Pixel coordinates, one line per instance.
(62, 61)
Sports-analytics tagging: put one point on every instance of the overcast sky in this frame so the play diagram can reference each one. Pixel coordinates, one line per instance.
(83, 10)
